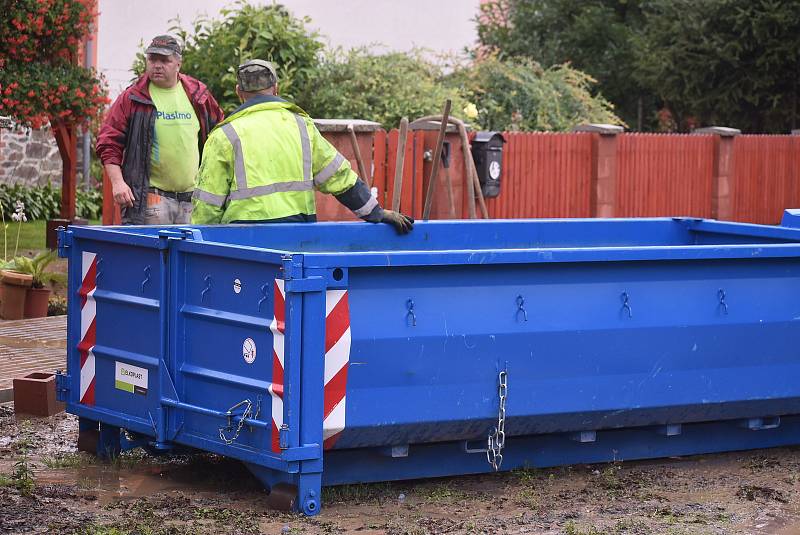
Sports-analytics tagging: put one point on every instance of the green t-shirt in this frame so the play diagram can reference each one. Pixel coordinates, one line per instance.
(176, 155)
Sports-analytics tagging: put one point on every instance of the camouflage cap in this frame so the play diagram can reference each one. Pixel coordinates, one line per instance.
(256, 74)
(164, 45)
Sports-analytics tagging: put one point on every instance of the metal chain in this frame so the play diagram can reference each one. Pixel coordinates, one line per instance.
(497, 438)
(245, 414)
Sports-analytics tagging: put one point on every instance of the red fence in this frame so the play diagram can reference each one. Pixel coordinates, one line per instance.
(664, 175)
(545, 175)
(765, 177)
(737, 178)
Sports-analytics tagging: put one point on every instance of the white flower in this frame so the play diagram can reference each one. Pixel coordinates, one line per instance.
(16, 216)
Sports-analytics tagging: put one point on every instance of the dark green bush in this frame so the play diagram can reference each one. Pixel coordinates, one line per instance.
(378, 87)
(44, 202)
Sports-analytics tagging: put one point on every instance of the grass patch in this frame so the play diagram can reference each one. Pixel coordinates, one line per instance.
(31, 236)
(359, 493)
(68, 460)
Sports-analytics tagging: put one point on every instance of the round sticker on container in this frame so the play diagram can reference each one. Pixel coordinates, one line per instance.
(249, 350)
(237, 285)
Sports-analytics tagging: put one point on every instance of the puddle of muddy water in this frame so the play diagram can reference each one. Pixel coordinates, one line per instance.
(110, 483)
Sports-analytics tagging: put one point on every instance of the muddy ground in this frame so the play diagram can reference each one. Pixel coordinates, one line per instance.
(47, 487)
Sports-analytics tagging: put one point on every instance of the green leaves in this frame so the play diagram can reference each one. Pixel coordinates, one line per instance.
(44, 202)
(381, 88)
(214, 48)
(36, 267)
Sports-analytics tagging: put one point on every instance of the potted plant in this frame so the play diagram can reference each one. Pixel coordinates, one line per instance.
(38, 294)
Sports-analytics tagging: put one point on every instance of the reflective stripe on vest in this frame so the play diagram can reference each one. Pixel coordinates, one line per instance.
(238, 156)
(329, 170)
(306, 144)
(243, 192)
(209, 198)
(368, 207)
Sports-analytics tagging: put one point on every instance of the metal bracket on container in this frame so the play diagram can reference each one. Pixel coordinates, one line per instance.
(759, 424)
(410, 313)
(722, 303)
(475, 446)
(313, 283)
(626, 305)
(521, 308)
(584, 437)
(180, 234)
(62, 386)
(670, 430)
(396, 451)
(64, 241)
(283, 437)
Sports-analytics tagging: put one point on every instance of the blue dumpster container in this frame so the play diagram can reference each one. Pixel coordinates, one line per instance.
(323, 354)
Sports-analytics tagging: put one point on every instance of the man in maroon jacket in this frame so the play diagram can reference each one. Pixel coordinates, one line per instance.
(152, 139)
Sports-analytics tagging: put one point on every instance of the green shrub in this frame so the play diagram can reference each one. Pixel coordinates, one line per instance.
(518, 94)
(214, 48)
(381, 88)
(44, 202)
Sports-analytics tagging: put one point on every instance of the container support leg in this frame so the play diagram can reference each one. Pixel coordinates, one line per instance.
(309, 493)
(108, 445)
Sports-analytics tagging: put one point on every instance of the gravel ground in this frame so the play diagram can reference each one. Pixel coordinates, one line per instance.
(47, 487)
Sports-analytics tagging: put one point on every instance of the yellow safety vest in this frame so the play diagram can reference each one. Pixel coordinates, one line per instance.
(264, 162)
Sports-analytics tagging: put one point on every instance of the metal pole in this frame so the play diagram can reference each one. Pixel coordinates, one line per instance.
(437, 155)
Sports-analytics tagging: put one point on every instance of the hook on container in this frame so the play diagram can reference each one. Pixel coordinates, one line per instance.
(410, 308)
(521, 308)
(207, 280)
(626, 305)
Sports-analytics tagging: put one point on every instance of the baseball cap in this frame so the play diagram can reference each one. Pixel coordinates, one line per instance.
(164, 45)
(256, 74)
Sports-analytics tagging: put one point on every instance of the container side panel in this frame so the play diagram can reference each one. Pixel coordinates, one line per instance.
(229, 350)
(115, 347)
(586, 347)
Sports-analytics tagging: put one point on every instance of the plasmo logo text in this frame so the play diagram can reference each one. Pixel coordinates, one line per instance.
(173, 116)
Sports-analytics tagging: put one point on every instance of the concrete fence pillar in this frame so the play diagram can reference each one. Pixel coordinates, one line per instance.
(604, 167)
(722, 185)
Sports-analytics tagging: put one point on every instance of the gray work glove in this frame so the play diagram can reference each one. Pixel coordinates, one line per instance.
(401, 223)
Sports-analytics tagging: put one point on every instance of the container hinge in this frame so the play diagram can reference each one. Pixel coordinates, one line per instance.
(64, 241)
(308, 284)
(62, 386)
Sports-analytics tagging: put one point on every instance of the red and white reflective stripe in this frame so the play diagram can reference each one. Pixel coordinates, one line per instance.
(88, 326)
(278, 326)
(337, 358)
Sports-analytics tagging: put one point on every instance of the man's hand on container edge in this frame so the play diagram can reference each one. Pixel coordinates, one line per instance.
(401, 223)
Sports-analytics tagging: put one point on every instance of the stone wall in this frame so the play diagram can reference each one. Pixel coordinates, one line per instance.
(30, 157)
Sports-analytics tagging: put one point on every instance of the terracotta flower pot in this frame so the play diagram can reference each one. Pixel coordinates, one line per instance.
(15, 286)
(36, 300)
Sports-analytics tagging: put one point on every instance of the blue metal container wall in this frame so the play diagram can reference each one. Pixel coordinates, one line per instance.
(270, 344)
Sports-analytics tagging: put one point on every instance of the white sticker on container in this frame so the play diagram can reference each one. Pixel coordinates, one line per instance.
(237, 285)
(249, 350)
(130, 378)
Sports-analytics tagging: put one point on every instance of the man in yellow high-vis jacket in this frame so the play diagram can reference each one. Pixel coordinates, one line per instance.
(263, 163)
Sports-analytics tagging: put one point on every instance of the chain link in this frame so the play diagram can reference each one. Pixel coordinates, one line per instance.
(497, 438)
(247, 413)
